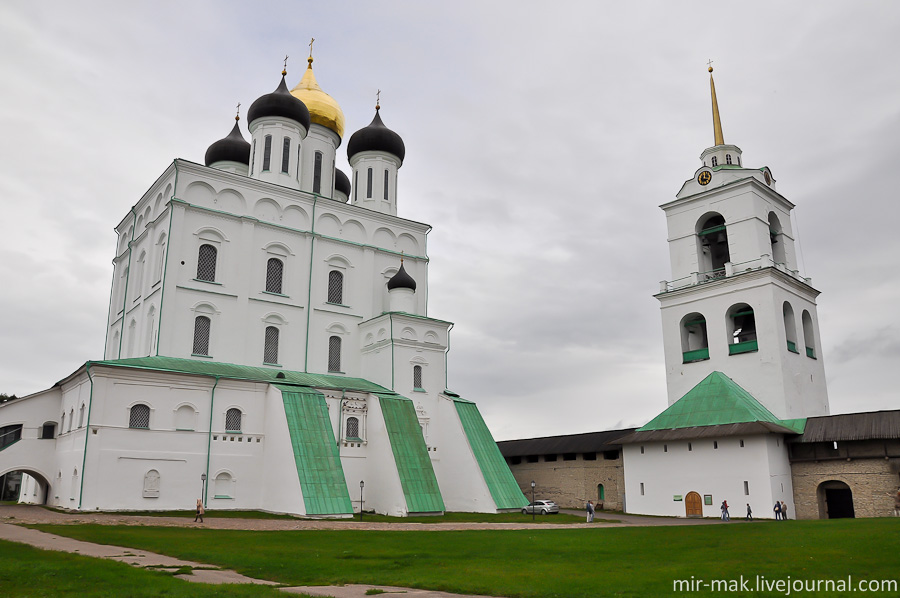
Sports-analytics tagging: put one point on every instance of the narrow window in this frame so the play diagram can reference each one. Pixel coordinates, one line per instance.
(62, 423)
(694, 342)
(743, 330)
(267, 153)
(369, 185)
(790, 327)
(274, 274)
(206, 263)
(690, 447)
(742, 444)
(386, 175)
(809, 338)
(353, 428)
(202, 326)
(665, 448)
(642, 488)
(233, 420)
(727, 158)
(139, 417)
(715, 161)
(81, 416)
(746, 488)
(270, 352)
(334, 354)
(739, 160)
(317, 173)
(713, 247)
(71, 419)
(252, 157)
(642, 450)
(356, 186)
(335, 287)
(285, 155)
(417, 377)
(715, 444)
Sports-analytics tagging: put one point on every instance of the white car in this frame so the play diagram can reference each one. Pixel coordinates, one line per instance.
(541, 506)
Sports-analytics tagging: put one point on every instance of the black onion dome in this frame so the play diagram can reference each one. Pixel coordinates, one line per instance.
(233, 148)
(341, 182)
(376, 137)
(279, 103)
(401, 280)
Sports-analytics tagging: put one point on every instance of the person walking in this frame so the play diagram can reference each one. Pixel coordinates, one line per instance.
(783, 511)
(200, 511)
(777, 509)
(725, 515)
(749, 516)
(590, 511)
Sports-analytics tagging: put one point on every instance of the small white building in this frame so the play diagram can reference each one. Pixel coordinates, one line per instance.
(268, 343)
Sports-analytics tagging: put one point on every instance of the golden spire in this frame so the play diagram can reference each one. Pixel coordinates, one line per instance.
(717, 122)
(323, 109)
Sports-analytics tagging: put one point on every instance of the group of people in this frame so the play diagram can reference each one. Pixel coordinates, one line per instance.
(780, 511)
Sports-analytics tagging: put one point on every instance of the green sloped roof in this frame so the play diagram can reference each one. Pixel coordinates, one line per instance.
(716, 400)
(499, 479)
(244, 372)
(316, 454)
(417, 478)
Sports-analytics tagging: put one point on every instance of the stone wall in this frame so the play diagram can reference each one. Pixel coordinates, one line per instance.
(873, 482)
(572, 483)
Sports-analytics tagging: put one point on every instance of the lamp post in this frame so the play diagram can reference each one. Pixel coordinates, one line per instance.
(202, 485)
(532, 500)
(361, 485)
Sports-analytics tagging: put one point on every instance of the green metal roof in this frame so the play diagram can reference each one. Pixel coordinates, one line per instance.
(316, 453)
(244, 372)
(500, 481)
(716, 400)
(417, 478)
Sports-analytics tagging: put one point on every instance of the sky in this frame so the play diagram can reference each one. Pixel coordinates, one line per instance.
(541, 140)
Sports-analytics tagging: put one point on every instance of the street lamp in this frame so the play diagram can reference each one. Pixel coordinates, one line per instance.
(202, 485)
(532, 500)
(361, 484)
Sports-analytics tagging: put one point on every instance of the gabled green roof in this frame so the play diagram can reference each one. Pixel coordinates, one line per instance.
(716, 400)
(245, 372)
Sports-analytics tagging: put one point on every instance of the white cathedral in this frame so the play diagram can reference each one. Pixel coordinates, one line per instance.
(268, 344)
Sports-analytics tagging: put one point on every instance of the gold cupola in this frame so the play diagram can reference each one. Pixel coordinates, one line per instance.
(323, 109)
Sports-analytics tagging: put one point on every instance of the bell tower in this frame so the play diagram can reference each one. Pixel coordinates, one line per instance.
(737, 302)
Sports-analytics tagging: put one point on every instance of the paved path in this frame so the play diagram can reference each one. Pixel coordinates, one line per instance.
(22, 514)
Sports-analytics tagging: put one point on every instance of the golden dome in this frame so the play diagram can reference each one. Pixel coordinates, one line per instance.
(323, 109)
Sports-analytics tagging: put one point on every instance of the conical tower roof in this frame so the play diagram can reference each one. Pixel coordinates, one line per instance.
(323, 109)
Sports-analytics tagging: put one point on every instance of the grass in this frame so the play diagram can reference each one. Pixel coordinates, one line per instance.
(540, 563)
(30, 572)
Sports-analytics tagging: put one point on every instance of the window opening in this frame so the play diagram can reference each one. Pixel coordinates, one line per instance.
(808, 335)
(335, 287)
(353, 428)
(206, 263)
(694, 342)
(569, 456)
(274, 274)
(727, 158)
(267, 153)
(252, 157)
(334, 354)
(233, 420)
(642, 483)
(589, 456)
(139, 417)
(369, 185)
(81, 416)
(317, 173)
(715, 161)
(386, 175)
(743, 330)
(202, 326)
(611, 455)
(285, 155)
(417, 376)
(270, 351)
(550, 458)
(790, 328)
(776, 239)
(746, 488)
(48, 430)
(356, 186)
(713, 237)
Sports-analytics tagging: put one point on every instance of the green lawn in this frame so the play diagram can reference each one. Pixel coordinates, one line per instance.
(548, 562)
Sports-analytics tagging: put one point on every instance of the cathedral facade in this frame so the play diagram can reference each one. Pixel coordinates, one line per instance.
(268, 344)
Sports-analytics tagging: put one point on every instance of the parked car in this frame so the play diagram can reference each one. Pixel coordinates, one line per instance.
(542, 507)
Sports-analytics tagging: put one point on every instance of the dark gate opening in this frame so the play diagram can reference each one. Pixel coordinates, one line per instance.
(839, 503)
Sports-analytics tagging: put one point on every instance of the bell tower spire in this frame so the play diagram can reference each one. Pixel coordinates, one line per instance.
(717, 121)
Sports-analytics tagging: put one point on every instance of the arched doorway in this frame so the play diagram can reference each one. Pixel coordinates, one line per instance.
(693, 505)
(601, 495)
(835, 500)
(33, 482)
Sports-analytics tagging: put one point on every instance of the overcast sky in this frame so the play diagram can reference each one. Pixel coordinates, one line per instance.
(541, 139)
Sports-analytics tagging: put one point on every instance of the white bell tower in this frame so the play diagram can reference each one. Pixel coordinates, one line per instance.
(737, 302)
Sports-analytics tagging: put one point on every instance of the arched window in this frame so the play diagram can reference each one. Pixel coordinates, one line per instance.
(139, 417)
(274, 275)
(369, 185)
(285, 155)
(223, 486)
(317, 172)
(727, 158)
(694, 342)
(160, 258)
(387, 174)
(790, 327)
(270, 351)
(743, 329)
(776, 239)
(71, 419)
(335, 287)
(334, 354)
(808, 335)
(715, 161)
(601, 493)
(206, 263)
(417, 377)
(267, 153)
(352, 428)
(202, 327)
(62, 422)
(138, 286)
(233, 420)
(81, 416)
(712, 236)
(184, 418)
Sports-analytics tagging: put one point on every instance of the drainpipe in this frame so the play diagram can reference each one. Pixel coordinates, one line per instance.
(212, 398)
(312, 244)
(162, 290)
(87, 433)
(446, 354)
(127, 278)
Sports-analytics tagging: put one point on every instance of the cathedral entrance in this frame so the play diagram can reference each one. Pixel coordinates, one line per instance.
(693, 505)
(835, 500)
